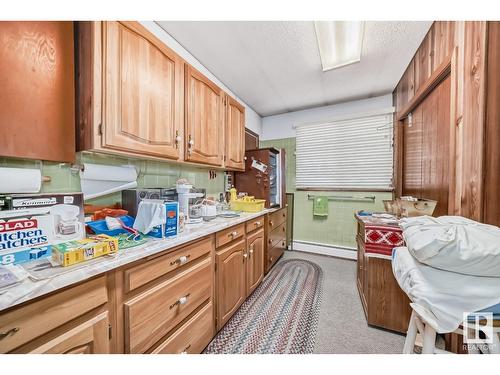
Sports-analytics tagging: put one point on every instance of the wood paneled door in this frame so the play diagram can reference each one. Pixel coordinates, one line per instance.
(426, 148)
(231, 288)
(255, 264)
(143, 92)
(234, 134)
(204, 119)
(37, 90)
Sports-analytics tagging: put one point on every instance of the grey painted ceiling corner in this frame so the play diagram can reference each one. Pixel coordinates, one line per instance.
(275, 67)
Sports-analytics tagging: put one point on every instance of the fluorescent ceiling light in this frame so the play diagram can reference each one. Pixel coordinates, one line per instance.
(339, 42)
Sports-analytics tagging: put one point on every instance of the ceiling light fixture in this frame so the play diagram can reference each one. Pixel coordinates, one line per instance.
(339, 42)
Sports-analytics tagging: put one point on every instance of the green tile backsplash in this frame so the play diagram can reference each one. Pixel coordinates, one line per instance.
(151, 174)
(339, 228)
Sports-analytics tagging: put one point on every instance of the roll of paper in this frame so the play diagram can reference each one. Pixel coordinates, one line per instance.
(108, 173)
(99, 180)
(20, 180)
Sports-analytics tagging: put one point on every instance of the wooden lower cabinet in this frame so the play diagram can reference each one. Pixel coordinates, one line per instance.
(154, 313)
(255, 263)
(90, 337)
(192, 337)
(275, 237)
(171, 302)
(231, 287)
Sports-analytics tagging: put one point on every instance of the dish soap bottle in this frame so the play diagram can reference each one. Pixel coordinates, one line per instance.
(233, 196)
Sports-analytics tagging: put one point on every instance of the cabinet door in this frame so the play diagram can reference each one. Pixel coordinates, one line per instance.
(142, 92)
(235, 134)
(90, 337)
(37, 90)
(204, 119)
(255, 265)
(231, 264)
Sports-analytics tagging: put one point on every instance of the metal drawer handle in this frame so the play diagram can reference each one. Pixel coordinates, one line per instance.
(185, 349)
(9, 332)
(257, 223)
(233, 234)
(180, 301)
(181, 260)
(271, 223)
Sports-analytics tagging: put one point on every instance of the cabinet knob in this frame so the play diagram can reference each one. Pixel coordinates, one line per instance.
(10, 332)
(178, 139)
(181, 260)
(181, 301)
(245, 255)
(271, 223)
(233, 234)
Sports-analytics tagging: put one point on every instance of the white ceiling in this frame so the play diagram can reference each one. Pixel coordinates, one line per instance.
(275, 67)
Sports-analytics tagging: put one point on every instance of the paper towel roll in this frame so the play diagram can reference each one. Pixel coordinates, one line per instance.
(98, 180)
(20, 180)
(108, 172)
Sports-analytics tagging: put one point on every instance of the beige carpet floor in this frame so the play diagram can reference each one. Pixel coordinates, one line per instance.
(342, 325)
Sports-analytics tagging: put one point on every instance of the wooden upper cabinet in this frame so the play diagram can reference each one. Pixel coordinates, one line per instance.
(37, 91)
(204, 119)
(142, 110)
(423, 64)
(409, 82)
(443, 34)
(234, 134)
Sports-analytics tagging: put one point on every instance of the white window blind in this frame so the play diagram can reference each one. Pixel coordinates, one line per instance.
(350, 153)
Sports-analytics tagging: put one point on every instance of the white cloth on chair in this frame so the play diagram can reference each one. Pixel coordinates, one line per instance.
(454, 243)
(441, 297)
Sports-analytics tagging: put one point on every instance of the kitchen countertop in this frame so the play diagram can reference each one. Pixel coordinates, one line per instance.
(44, 281)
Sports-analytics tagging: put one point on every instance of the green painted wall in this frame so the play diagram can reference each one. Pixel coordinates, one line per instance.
(339, 228)
(152, 174)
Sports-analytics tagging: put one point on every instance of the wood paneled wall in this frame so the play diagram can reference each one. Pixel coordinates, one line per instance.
(451, 88)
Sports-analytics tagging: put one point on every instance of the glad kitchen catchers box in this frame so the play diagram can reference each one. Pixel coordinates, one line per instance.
(37, 222)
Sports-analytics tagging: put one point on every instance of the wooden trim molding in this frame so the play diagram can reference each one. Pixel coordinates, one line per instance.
(441, 72)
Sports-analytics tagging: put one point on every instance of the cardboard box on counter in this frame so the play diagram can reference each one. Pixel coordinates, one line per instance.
(73, 252)
(35, 222)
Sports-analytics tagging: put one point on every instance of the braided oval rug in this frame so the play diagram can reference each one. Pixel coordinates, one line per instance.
(281, 315)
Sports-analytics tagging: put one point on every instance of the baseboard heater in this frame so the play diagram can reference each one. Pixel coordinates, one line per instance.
(323, 249)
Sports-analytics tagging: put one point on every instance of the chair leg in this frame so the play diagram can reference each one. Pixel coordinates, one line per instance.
(494, 347)
(411, 335)
(429, 340)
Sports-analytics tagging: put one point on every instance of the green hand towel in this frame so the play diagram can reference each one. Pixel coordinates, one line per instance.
(320, 206)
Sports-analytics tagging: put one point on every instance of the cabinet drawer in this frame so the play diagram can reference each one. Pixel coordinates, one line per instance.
(230, 234)
(146, 272)
(193, 336)
(31, 321)
(152, 314)
(277, 236)
(277, 218)
(254, 224)
(273, 255)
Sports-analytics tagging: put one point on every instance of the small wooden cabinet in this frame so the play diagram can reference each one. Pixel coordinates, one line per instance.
(255, 263)
(275, 237)
(234, 134)
(384, 303)
(204, 119)
(231, 280)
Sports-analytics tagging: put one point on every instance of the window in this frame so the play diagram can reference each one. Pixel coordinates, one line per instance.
(350, 153)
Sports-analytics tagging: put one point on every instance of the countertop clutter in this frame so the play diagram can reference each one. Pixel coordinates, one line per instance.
(41, 278)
